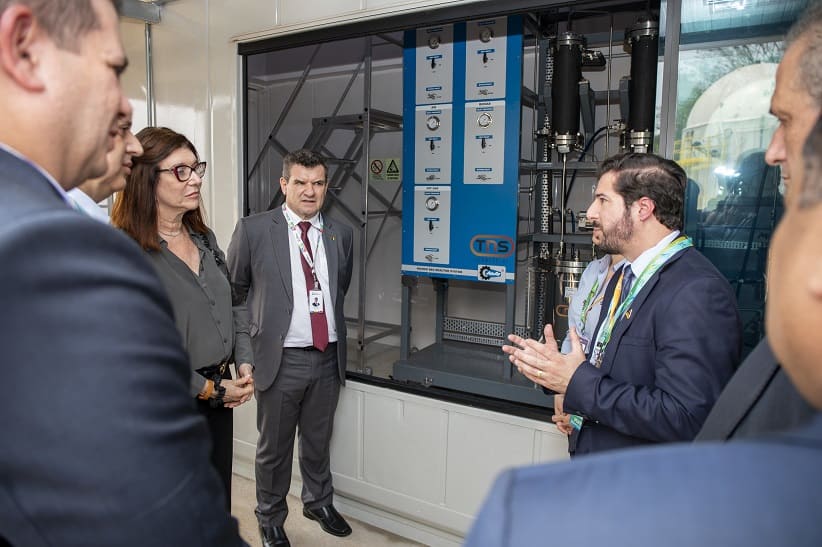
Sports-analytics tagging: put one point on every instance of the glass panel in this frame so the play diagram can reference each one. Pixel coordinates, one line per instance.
(723, 128)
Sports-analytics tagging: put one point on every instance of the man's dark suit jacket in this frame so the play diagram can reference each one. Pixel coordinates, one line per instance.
(760, 398)
(101, 443)
(669, 357)
(750, 493)
(260, 247)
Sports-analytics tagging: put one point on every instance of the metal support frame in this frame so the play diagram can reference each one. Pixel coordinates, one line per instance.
(364, 185)
(670, 74)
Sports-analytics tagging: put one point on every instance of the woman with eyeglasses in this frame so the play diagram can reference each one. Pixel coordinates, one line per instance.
(160, 209)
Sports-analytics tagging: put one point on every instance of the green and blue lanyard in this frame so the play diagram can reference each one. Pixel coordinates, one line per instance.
(617, 310)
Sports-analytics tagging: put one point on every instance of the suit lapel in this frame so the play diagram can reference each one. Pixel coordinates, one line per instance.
(282, 252)
(332, 255)
(628, 316)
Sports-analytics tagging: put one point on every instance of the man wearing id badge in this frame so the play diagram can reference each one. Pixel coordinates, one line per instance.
(669, 335)
(291, 266)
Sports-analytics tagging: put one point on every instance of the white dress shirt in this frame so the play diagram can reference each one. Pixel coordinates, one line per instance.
(299, 331)
(88, 205)
(637, 266)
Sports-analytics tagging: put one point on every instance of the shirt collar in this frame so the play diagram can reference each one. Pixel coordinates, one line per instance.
(315, 220)
(642, 261)
(59, 189)
(88, 205)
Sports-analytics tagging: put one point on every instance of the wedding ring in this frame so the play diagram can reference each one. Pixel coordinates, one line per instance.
(539, 374)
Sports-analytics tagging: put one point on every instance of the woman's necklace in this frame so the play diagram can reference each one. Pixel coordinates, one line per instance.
(170, 234)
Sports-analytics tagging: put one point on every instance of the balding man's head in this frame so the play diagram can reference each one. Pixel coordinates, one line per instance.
(797, 97)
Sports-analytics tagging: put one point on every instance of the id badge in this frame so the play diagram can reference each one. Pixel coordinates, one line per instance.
(315, 301)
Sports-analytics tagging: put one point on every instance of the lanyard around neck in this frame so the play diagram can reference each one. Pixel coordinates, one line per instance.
(614, 311)
(299, 240)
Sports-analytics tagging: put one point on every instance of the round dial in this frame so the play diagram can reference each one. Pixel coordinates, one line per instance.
(434, 41)
(432, 203)
(432, 123)
(486, 34)
(485, 119)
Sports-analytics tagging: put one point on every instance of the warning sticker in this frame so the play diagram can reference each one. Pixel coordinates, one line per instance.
(387, 169)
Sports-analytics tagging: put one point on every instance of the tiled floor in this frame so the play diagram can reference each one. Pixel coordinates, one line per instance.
(301, 531)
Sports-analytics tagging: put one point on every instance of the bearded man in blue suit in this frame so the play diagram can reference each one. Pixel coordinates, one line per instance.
(746, 493)
(669, 334)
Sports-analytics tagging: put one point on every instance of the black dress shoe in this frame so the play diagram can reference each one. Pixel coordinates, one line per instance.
(330, 520)
(274, 536)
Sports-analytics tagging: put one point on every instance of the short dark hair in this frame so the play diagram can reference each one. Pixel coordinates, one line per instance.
(648, 175)
(135, 209)
(65, 21)
(808, 29)
(304, 157)
(811, 191)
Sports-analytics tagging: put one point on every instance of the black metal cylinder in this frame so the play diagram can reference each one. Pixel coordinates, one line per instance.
(644, 41)
(567, 49)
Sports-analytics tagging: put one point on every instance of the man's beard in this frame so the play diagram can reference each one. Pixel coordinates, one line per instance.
(614, 239)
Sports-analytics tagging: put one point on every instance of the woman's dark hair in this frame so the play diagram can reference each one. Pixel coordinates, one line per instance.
(135, 209)
(651, 176)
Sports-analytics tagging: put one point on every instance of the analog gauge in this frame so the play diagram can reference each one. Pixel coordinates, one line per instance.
(434, 41)
(485, 119)
(485, 35)
(432, 203)
(432, 123)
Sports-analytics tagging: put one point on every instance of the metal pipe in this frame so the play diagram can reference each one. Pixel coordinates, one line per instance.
(563, 207)
(151, 106)
(670, 78)
(608, 101)
(366, 132)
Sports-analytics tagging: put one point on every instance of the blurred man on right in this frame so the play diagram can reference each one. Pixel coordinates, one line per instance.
(760, 398)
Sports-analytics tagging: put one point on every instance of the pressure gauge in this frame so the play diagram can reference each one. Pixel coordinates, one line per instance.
(432, 123)
(485, 35)
(485, 119)
(432, 203)
(434, 41)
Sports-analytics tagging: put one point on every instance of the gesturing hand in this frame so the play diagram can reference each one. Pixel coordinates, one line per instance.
(542, 363)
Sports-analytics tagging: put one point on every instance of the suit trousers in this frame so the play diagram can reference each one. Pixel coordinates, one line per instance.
(221, 426)
(304, 394)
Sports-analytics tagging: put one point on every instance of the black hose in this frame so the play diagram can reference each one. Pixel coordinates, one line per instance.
(582, 155)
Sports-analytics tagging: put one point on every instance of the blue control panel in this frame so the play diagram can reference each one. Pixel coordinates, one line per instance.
(461, 133)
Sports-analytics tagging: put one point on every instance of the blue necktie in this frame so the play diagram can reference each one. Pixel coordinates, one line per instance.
(627, 281)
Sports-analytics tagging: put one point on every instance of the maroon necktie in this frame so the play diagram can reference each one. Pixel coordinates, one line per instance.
(319, 326)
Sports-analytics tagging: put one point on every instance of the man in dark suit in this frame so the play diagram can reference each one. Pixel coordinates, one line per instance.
(291, 267)
(760, 398)
(101, 443)
(746, 493)
(671, 336)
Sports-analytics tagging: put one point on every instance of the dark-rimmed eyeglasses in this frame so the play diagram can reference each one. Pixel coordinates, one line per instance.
(183, 172)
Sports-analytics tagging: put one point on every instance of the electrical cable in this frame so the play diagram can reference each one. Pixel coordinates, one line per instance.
(581, 156)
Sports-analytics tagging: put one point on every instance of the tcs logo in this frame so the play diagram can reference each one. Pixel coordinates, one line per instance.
(497, 246)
